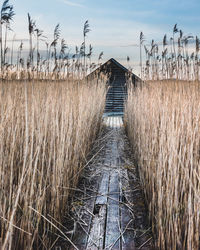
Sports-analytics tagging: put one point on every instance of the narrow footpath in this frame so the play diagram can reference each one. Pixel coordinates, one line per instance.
(108, 209)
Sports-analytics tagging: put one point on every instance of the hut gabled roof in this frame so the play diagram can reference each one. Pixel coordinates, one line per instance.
(106, 68)
(112, 60)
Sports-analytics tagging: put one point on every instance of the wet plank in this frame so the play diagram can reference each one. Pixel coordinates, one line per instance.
(127, 222)
(103, 189)
(127, 217)
(128, 235)
(112, 237)
(97, 233)
(83, 226)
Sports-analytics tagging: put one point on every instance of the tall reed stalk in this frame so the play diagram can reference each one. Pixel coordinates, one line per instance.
(176, 58)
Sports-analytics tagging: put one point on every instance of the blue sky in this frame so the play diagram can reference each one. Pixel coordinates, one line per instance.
(115, 25)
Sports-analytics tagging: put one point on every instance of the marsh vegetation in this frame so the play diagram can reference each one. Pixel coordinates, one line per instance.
(47, 128)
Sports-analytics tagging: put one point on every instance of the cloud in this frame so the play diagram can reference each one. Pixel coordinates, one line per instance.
(18, 40)
(73, 4)
(130, 45)
(122, 33)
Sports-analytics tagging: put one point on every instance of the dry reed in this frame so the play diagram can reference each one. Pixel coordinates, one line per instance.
(163, 124)
(46, 131)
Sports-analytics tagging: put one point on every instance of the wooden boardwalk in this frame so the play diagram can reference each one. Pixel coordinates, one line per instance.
(108, 210)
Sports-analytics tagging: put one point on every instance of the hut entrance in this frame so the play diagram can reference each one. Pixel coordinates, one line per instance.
(117, 91)
(117, 86)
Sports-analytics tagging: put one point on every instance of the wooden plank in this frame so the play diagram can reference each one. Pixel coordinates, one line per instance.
(97, 233)
(103, 189)
(127, 219)
(127, 222)
(82, 231)
(112, 236)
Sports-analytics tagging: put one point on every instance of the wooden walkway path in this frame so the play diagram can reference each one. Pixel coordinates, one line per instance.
(108, 210)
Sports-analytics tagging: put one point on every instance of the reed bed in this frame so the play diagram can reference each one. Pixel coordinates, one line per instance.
(163, 124)
(176, 57)
(46, 131)
(42, 58)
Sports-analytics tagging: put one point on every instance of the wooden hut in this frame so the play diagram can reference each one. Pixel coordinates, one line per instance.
(118, 79)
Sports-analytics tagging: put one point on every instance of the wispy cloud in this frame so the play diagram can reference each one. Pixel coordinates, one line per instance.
(130, 45)
(70, 3)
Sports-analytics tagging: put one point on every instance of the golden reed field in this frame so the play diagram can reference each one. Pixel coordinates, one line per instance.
(163, 125)
(46, 131)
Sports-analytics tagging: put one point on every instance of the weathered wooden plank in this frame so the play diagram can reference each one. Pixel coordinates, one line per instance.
(112, 237)
(128, 235)
(82, 231)
(97, 233)
(103, 189)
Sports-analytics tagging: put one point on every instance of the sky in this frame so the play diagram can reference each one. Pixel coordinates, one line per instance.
(115, 25)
